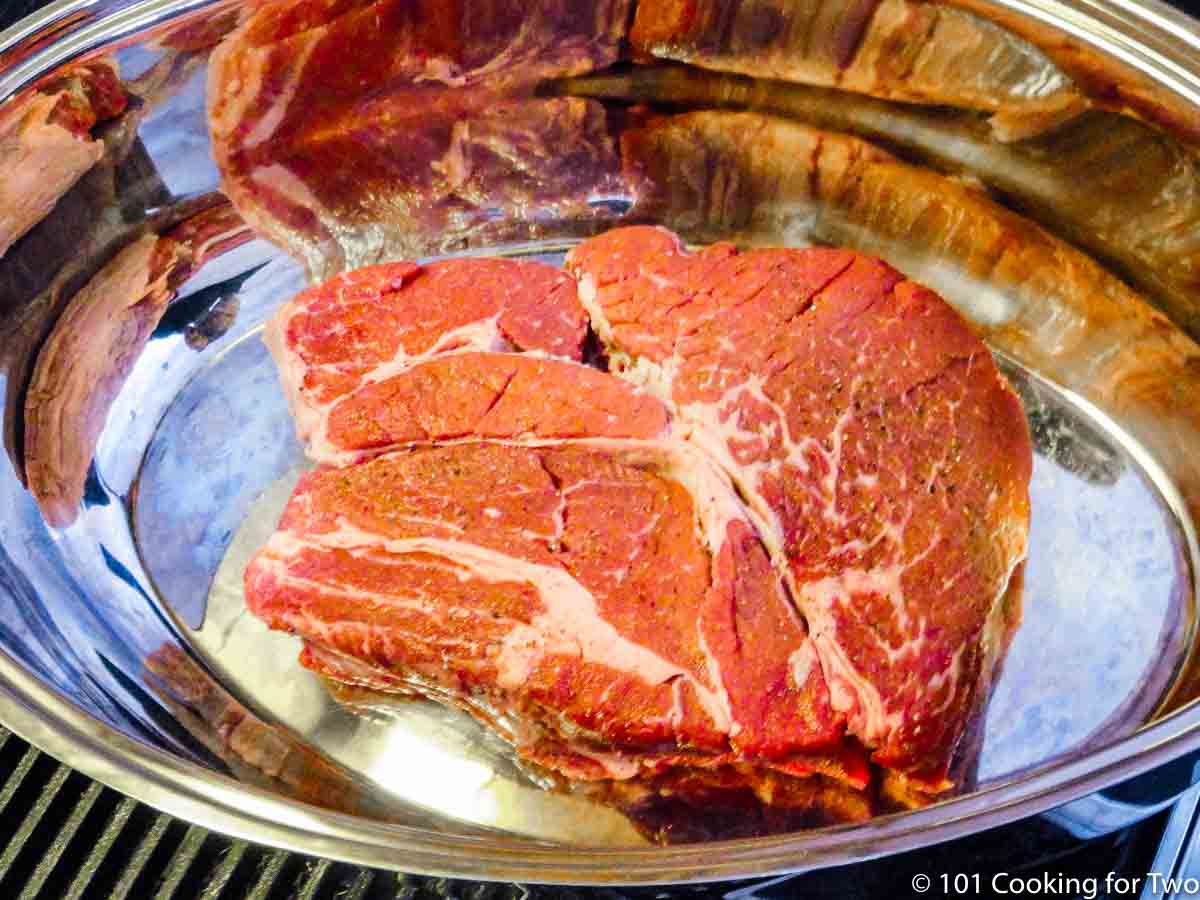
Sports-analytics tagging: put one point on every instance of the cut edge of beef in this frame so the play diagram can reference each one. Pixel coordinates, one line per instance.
(677, 803)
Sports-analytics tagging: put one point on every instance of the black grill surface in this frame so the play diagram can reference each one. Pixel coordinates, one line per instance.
(65, 836)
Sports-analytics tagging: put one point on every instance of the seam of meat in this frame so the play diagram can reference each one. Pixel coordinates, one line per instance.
(495, 400)
(799, 314)
(850, 52)
(560, 515)
(923, 41)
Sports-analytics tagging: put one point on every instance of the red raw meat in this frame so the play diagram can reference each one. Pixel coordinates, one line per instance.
(401, 354)
(561, 590)
(85, 360)
(773, 539)
(885, 460)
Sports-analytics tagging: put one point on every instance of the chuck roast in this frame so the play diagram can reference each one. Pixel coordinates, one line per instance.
(767, 548)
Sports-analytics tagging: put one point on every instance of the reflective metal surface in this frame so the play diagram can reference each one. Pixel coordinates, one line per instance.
(125, 648)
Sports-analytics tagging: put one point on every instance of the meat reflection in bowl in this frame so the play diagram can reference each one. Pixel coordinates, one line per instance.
(699, 523)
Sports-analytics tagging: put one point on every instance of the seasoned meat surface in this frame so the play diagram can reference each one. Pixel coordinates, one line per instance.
(767, 547)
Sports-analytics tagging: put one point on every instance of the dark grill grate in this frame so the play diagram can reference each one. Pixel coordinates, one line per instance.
(65, 836)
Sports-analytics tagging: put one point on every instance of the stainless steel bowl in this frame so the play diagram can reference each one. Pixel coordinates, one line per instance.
(124, 645)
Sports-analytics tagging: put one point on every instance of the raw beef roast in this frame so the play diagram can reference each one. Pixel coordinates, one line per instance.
(769, 546)
(884, 460)
(565, 595)
(399, 354)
